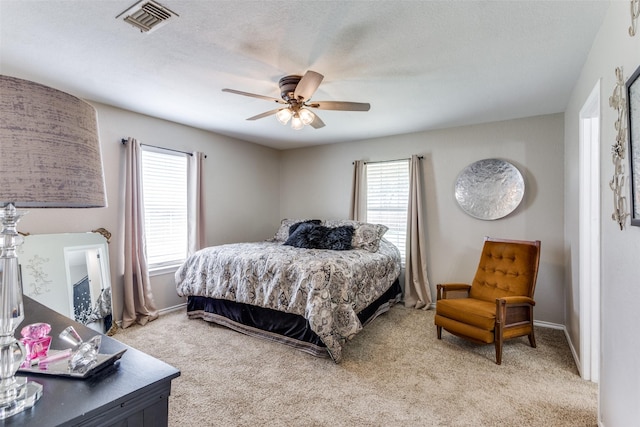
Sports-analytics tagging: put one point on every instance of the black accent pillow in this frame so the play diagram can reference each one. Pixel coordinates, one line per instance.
(295, 226)
(312, 236)
(339, 238)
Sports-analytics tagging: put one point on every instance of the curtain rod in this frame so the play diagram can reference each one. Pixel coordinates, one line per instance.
(387, 161)
(124, 141)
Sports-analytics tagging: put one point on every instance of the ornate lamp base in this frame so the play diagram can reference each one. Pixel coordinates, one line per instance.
(16, 393)
(19, 396)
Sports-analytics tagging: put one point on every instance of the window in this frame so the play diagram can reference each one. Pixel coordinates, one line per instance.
(388, 199)
(164, 188)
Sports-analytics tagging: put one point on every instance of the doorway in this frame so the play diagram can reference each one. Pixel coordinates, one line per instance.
(589, 214)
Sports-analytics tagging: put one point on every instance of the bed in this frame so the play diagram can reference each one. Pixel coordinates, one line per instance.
(314, 293)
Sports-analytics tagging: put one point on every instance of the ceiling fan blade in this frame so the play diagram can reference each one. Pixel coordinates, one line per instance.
(266, 114)
(317, 122)
(308, 85)
(340, 105)
(253, 95)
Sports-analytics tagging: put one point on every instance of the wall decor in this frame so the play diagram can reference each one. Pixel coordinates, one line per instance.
(489, 189)
(633, 109)
(41, 283)
(618, 102)
(635, 12)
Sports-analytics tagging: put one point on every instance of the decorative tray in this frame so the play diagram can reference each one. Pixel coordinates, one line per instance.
(60, 368)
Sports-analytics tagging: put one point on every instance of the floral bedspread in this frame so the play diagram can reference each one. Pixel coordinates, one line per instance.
(327, 287)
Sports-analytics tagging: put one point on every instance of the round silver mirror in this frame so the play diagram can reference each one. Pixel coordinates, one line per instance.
(489, 189)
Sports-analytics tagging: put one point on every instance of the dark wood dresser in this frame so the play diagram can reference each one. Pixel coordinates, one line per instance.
(133, 392)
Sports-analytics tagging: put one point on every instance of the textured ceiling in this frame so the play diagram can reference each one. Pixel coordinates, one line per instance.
(421, 64)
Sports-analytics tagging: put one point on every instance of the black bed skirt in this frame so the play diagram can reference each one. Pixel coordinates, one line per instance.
(287, 328)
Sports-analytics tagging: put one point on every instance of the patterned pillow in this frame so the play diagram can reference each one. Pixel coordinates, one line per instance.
(365, 235)
(283, 232)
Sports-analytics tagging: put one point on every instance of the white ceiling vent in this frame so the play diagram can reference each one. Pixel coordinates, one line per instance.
(147, 15)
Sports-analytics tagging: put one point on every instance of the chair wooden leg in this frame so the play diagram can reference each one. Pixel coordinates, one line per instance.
(439, 332)
(497, 333)
(532, 339)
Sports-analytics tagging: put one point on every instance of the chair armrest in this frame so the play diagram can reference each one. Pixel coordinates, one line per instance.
(517, 300)
(513, 311)
(444, 288)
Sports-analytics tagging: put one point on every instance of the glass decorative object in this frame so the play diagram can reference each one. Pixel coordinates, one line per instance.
(36, 340)
(84, 354)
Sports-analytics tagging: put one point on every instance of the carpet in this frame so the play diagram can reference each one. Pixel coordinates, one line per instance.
(395, 372)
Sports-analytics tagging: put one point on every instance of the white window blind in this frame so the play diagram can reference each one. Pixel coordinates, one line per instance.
(164, 188)
(388, 199)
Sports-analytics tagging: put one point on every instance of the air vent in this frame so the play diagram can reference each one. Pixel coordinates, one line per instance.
(147, 15)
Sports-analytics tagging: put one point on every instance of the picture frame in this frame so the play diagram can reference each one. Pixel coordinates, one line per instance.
(633, 111)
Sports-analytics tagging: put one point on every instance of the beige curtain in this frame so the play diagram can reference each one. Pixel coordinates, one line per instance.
(358, 209)
(139, 306)
(417, 291)
(195, 212)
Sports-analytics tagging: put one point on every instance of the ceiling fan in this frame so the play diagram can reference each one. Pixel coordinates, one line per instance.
(296, 92)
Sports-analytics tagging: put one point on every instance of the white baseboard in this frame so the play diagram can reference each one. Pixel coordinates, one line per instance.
(574, 353)
(170, 309)
(160, 312)
(549, 325)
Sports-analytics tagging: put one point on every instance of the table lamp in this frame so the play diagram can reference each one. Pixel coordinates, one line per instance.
(49, 158)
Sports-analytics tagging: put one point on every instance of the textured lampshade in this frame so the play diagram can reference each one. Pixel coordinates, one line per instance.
(49, 148)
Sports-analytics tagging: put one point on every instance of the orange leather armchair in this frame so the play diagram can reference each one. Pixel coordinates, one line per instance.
(498, 305)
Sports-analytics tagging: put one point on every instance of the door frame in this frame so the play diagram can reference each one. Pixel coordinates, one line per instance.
(590, 235)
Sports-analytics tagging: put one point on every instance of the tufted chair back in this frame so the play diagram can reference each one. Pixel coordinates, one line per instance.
(498, 304)
(505, 269)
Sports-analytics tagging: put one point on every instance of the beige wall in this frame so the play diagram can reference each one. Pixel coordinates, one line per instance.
(620, 267)
(241, 182)
(316, 182)
(250, 187)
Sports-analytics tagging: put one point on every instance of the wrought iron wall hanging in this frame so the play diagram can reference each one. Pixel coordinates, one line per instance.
(618, 102)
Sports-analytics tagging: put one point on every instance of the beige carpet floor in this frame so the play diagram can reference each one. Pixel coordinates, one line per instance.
(395, 372)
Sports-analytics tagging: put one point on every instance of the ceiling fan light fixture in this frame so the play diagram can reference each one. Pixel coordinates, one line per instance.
(306, 116)
(296, 122)
(284, 115)
(296, 92)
